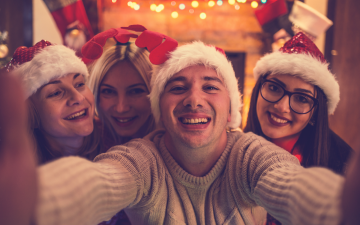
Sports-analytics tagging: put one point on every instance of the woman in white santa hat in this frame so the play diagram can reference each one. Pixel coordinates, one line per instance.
(290, 103)
(61, 106)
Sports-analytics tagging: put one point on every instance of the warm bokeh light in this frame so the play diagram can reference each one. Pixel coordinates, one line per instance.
(237, 7)
(133, 5)
(161, 6)
(113, 1)
(254, 4)
(202, 16)
(129, 3)
(191, 11)
(174, 14)
(241, 1)
(182, 6)
(137, 7)
(153, 7)
(231, 2)
(211, 3)
(195, 4)
(263, 1)
(173, 3)
(219, 2)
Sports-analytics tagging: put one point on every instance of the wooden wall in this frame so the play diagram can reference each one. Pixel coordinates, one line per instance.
(345, 63)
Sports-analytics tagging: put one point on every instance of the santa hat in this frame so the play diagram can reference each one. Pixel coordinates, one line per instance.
(37, 65)
(301, 58)
(194, 54)
(308, 20)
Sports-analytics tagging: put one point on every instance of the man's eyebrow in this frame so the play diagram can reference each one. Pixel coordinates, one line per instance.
(207, 78)
(180, 78)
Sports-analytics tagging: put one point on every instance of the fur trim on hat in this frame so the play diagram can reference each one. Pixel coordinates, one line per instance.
(196, 53)
(54, 61)
(305, 67)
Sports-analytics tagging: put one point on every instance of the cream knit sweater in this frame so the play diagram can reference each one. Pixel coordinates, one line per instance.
(143, 178)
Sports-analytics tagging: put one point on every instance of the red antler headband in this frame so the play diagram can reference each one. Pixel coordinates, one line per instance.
(159, 45)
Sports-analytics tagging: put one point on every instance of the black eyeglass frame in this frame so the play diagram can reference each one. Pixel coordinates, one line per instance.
(286, 92)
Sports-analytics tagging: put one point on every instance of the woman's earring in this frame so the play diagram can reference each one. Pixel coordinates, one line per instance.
(312, 121)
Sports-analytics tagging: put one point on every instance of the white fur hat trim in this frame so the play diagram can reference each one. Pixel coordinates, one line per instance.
(304, 66)
(196, 53)
(54, 61)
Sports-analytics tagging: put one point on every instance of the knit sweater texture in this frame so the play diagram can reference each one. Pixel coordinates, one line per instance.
(144, 179)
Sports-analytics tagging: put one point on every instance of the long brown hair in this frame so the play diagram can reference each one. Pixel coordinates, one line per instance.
(314, 141)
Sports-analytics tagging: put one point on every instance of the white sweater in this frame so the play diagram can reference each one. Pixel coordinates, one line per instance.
(143, 178)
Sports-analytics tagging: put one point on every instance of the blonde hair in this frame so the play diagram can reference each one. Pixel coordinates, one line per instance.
(139, 57)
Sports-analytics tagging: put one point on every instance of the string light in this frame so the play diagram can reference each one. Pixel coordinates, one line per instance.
(129, 3)
(202, 16)
(211, 3)
(113, 1)
(153, 7)
(137, 7)
(194, 4)
(174, 14)
(263, 1)
(219, 3)
(182, 6)
(159, 8)
(241, 1)
(254, 4)
(237, 7)
(231, 2)
(133, 5)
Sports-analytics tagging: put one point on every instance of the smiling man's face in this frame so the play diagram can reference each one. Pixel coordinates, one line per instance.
(195, 107)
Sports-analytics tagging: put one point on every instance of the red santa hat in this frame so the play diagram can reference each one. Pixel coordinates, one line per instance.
(194, 54)
(37, 65)
(301, 58)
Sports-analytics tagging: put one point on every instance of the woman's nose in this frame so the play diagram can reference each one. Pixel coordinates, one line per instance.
(122, 104)
(283, 105)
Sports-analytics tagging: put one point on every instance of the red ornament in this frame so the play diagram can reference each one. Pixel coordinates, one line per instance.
(23, 54)
(301, 44)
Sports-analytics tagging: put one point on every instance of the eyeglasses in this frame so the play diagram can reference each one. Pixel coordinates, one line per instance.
(299, 102)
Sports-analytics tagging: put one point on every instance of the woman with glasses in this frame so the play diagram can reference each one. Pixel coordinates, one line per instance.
(290, 103)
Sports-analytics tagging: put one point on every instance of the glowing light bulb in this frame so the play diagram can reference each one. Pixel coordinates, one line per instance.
(129, 3)
(231, 2)
(113, 1)
(191, 11)
(195, 4)
(182, 6)
(161, 7)
(133, 5)
(158, 9)
(211, 3)
(174, 14)
(173, 3)
(202, 16)
(219, 3)
(237, 7)
(137, 7)
(153, 7)
(254, 4)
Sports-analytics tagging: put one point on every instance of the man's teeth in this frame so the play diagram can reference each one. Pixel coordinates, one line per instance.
(278, 120)
(123, 121)
(76, 115)
(194, 121)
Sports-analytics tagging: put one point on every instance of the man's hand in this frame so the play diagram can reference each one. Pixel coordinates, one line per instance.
(18, 186)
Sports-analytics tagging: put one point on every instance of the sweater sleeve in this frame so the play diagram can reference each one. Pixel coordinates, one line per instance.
(289, 192)
(73, 190)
